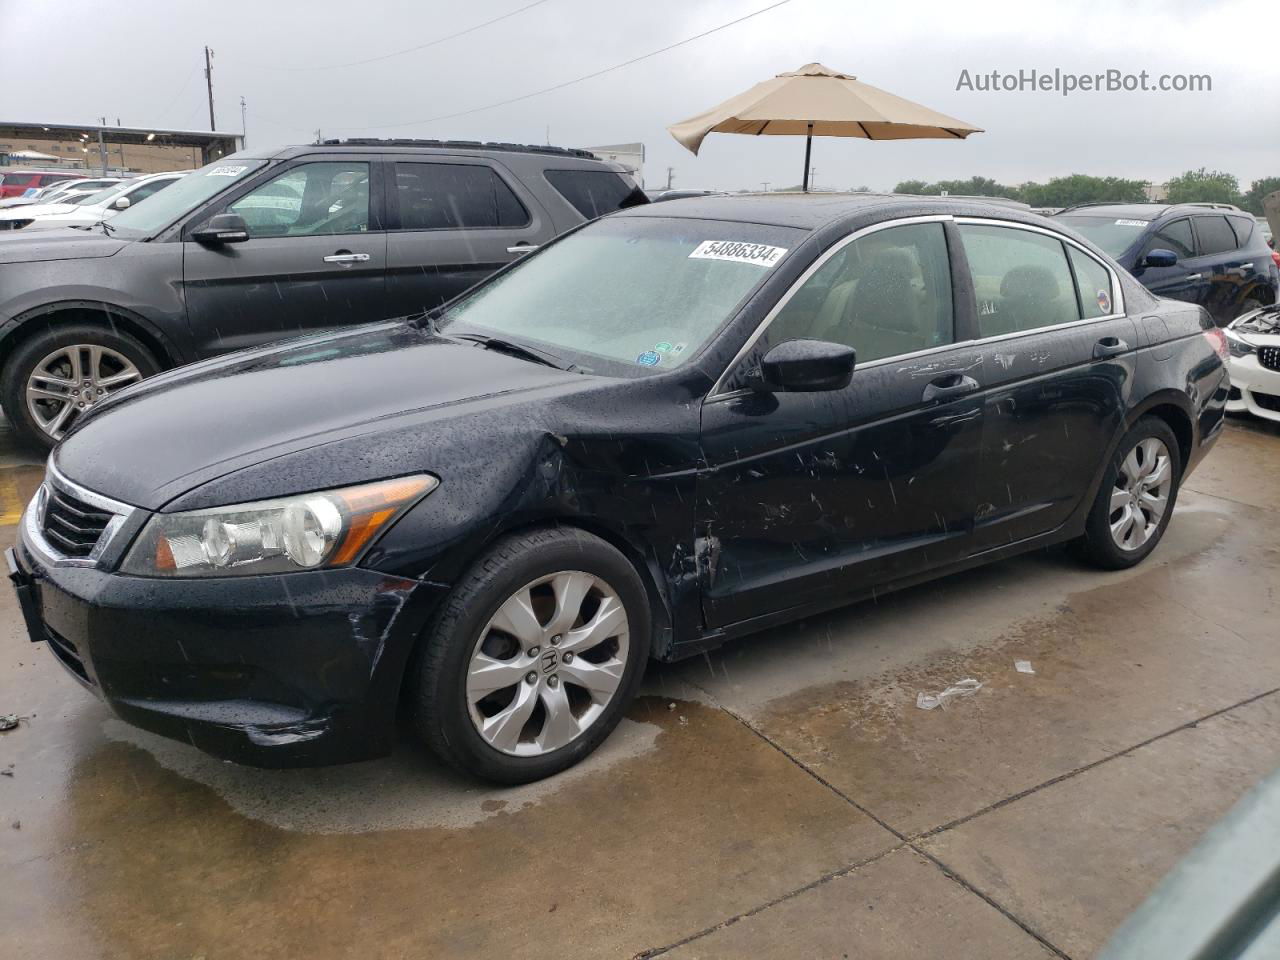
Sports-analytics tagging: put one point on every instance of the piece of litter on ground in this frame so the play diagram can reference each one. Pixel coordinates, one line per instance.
(671, 706)
(964, 688)
(8, 721)
(1023, 666)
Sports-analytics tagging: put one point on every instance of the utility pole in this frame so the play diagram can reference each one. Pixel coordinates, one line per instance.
(317, 134)
(766, 185)
(208, 79)
(244, 129)
(102, 147)
(670, 176)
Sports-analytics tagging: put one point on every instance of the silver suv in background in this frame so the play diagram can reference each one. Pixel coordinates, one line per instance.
(264, 245)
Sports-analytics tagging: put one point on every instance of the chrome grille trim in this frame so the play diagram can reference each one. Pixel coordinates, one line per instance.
(33, 520)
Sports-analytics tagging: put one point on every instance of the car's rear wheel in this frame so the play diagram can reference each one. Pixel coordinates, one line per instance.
(1136, 499)
(58, 375)
(534, 657)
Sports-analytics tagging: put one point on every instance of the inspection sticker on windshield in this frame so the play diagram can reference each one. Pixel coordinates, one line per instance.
(225, 172)
(1132, 223)
(735, 251)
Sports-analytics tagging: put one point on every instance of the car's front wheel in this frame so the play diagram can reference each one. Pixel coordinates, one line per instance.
(1136, 499)
(534, 656)
(56, 376)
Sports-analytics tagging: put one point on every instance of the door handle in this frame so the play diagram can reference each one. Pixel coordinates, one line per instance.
(1109, 347)
(346, 258)
(1193, 276)
(947, 386)
(1245, 266)
(523, 248)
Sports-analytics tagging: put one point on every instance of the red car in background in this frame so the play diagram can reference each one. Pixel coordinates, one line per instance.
(15, 183)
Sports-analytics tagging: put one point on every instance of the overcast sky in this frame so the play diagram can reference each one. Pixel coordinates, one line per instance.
(74, 60)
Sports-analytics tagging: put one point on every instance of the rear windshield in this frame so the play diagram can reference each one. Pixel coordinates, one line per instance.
(626, 296)
(1115, 235)
(593, 193)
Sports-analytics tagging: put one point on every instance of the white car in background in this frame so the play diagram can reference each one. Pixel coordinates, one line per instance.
(89, 210)
(63, 192)
(1254, 342)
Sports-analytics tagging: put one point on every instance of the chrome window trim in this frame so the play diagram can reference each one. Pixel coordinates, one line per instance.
(33, 519)
(1117, 297)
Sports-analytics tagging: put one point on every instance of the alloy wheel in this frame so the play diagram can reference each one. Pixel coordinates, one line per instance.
(1141, 494)
(71, 379)
(547, 663)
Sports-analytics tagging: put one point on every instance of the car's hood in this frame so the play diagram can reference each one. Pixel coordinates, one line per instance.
(175, 432)
(35, 210)
(1261, 327)
(25, 246)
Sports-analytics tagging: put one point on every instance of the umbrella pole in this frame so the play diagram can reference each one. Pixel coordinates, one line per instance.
(808, 146)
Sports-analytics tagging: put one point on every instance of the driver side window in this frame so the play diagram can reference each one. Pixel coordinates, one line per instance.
(885, 294)
(314, 199)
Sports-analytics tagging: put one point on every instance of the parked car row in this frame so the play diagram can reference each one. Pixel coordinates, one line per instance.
(1212, 255)
(86, 210)
(64, 191)
(261, 246)
(14, 183)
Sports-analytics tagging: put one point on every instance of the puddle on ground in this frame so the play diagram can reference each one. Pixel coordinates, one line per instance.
(407, 791)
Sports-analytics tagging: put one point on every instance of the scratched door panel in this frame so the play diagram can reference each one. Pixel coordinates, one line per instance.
(1051, 410)
(821, 495)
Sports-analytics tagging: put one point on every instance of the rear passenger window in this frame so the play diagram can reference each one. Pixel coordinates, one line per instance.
(453, 196)
(885, 294)
(1020, 279)
(1215, 235)
(593, 193)
(1174, 236)
(1093, 283)
(1243, 227)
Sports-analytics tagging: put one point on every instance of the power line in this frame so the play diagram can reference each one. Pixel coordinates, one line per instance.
(569, 83)
(400, 53)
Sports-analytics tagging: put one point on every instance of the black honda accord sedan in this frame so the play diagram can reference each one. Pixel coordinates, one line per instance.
(668, 428)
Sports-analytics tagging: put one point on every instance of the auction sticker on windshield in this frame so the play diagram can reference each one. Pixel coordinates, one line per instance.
(225, 172)
(760, 254)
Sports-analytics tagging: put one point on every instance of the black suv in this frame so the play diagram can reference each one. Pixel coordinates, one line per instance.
(1213, 255)
(259, 246)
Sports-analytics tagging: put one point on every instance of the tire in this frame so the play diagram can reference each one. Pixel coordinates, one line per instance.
(1108, 542)
(520, 743)
(119, 360)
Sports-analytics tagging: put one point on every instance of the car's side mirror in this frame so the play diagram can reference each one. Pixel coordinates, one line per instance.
(1159, 257)
(121, 203)
(806, 366)
(224, 228)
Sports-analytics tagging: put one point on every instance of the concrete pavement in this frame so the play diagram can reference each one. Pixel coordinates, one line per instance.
(780, 798)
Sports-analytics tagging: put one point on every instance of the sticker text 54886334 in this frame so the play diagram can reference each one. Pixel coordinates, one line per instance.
(760, 254)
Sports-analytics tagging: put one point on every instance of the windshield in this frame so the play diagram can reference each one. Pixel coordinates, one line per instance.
(181, 197)
(626, 296)
(1115, 235)
(106, 193)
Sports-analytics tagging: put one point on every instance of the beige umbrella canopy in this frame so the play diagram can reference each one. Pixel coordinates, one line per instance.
(817, 101)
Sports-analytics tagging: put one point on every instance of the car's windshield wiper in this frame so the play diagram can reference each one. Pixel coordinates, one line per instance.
(518, 350)
(107, 228)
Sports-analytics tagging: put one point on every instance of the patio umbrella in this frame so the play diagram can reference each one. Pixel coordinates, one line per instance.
(818, 101)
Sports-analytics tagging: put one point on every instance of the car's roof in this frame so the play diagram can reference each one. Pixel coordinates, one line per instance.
(811, 211)
(1144, 211)
(379, 145)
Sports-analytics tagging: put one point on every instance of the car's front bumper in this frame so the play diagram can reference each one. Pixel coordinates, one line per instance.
(1254, 388)
(291, 670)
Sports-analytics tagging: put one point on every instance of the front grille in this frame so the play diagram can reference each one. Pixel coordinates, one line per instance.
(1266, 401)
(72, 526)
(1269, 357)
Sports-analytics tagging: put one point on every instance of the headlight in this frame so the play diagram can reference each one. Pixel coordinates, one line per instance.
(1237, 346)
(305, 532)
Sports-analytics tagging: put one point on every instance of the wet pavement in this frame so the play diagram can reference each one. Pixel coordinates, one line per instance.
(780, 798)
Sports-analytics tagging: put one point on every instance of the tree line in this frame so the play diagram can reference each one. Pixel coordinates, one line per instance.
(1194, 186)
